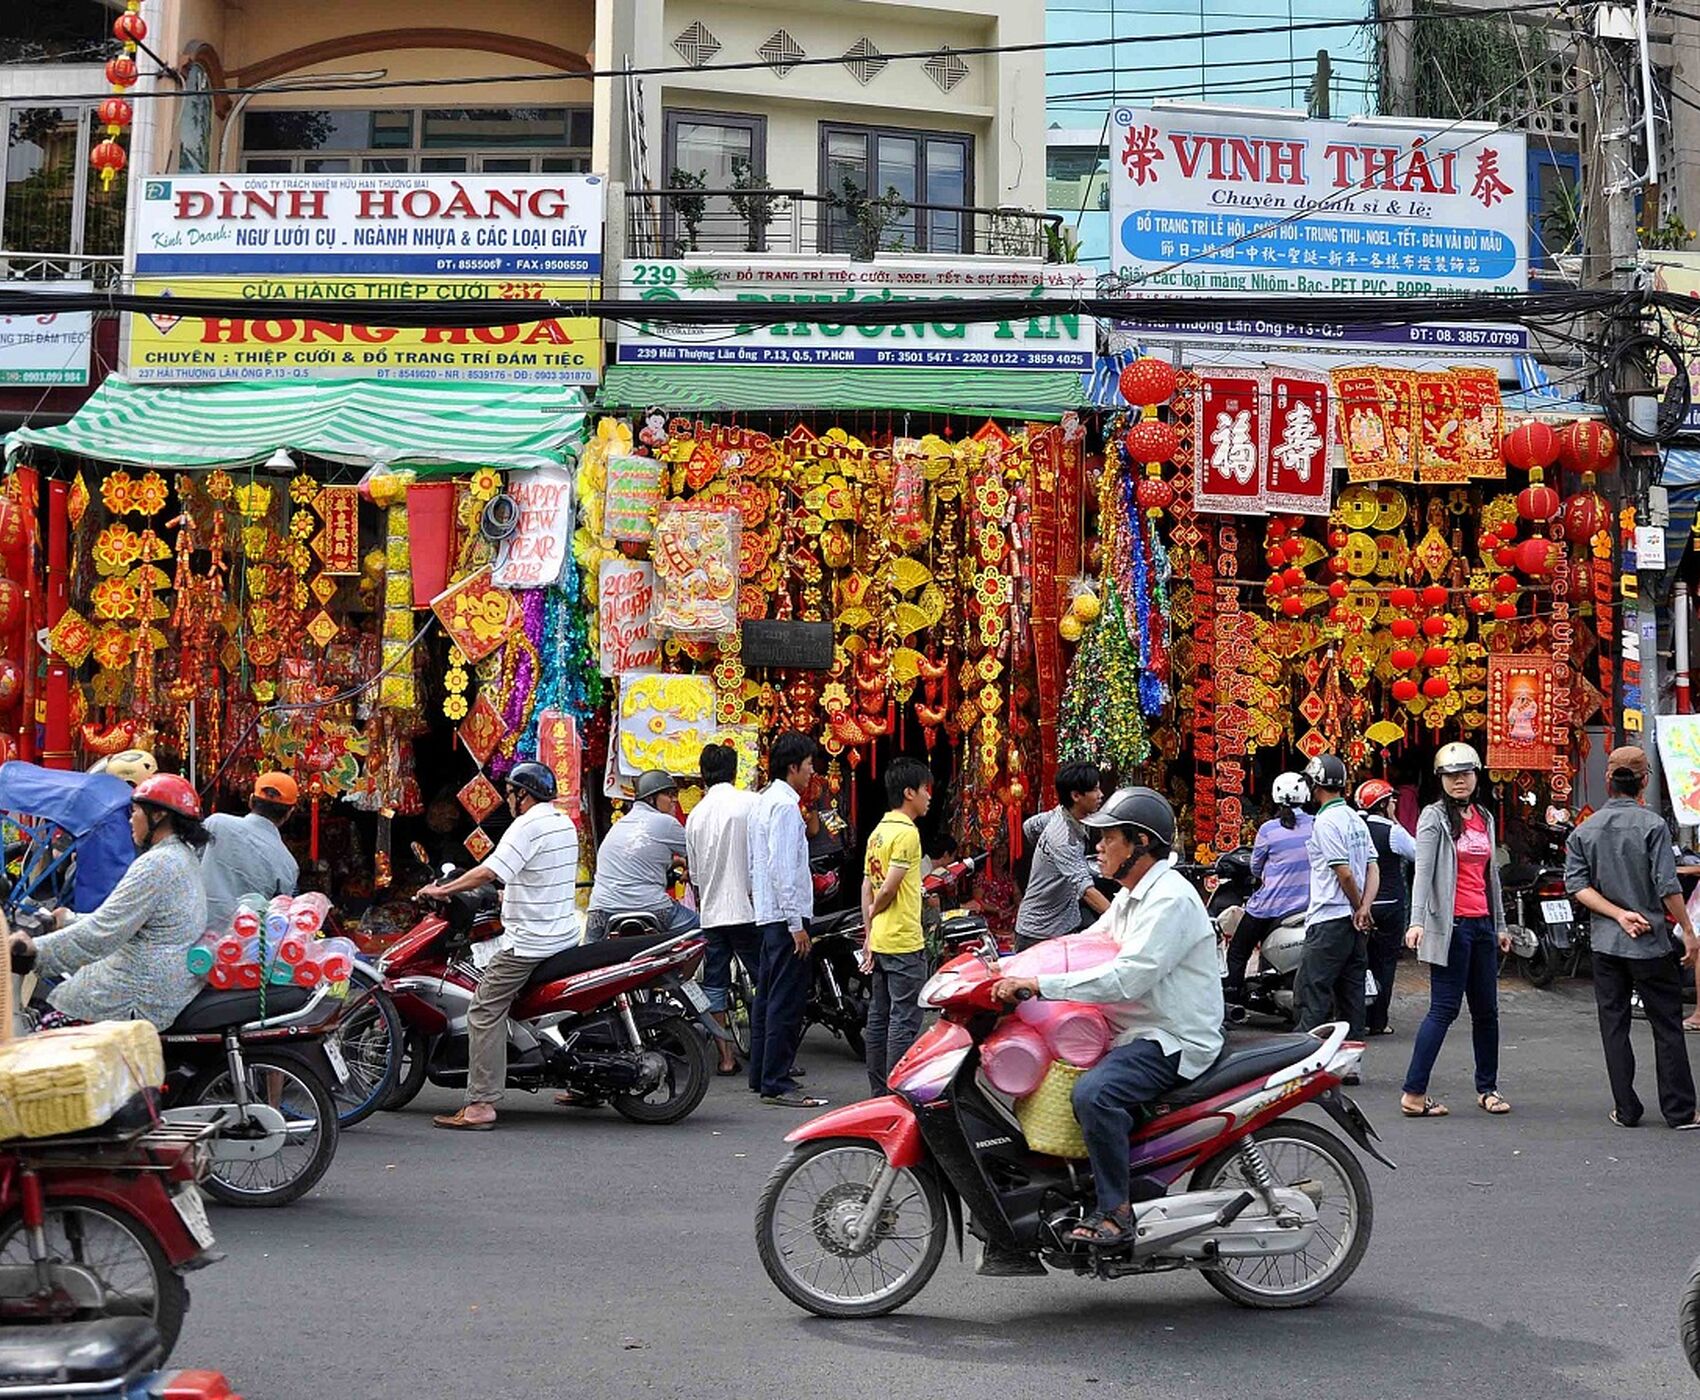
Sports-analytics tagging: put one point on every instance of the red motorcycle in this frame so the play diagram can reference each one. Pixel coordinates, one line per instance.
(105, 1223)
(608, 1022)
(1275, 1212)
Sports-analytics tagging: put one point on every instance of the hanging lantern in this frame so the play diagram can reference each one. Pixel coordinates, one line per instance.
(1436, 687)
(121, 72)
(1404, 628)
(108, 158)
(1338, 539)
(1587, 446)
(1292, 605)
(1152, 440)
(1292, 549)
(1403, 598)
(1531, 446)
(1404, 690)
(1505, 556)
(1148, 382)
(1273, 558)
(1481, 604)
(115, 114)
(1505, 610)
(1276, 586)
(1154, 494)
(1434, 596)
(1436, 657)
(1585, 514)
(1505, 585)
(1535, 557)
(1434, 626)
(130, 27)
(1537, 502)
(1337, 565)
(1277, 530)
(1337, 590)
(1404, 659)
(1293, 578)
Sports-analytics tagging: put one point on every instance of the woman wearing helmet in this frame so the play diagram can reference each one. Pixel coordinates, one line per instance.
(1458, 929)
(1393, 848)
(1281, 861)
(126, 960)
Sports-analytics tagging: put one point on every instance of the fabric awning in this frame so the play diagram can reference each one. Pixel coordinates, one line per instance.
(363, 422)
(1019, 394)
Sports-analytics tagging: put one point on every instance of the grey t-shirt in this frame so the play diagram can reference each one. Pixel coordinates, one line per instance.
(1061, 875)
(1624, 852)
(633, 860)
(246, 856)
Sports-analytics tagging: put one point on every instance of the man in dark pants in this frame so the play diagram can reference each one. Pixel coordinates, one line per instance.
(1618, 865)
(1343, 884)
(1393, 848)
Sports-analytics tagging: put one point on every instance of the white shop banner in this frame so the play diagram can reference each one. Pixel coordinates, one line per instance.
(1042, 340)
(1232, 203)
(325, 225)
(47, 348)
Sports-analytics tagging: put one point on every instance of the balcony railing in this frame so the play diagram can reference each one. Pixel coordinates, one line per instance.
(103, 271)
(672, 222)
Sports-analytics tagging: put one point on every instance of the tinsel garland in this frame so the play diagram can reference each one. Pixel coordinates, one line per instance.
(520, 677)
(568, 681)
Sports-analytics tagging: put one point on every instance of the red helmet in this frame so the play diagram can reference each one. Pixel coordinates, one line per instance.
(1373, 793)
(171, 792)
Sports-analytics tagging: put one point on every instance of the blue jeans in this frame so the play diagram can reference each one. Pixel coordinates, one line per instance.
(894, 1012)
(776, 1020)
(1471, 973)
(1127, 1078)
(675, 918)
(723, 942)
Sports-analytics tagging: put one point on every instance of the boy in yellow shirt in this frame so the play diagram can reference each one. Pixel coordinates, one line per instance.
(893, 948)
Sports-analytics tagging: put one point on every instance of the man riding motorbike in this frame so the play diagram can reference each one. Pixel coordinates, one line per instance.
(1162, 994)
(126, 960)
(635, 860)
(247, 855)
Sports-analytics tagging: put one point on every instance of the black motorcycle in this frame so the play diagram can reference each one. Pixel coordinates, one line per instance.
(1549, 935)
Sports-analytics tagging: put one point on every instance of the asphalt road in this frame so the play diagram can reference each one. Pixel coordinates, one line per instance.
(1534, 1257)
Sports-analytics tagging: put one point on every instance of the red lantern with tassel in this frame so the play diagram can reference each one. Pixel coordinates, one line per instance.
(1437, 687)
(130, 28)
(1404, 690)
(1585, 514)
(1154, 494)
(121, 72)
(1531, 446)
(108, 158)
(1436, 657)
(115, 113)
(1535, 557)
(1292, 605)
(1403, 659)
(1404, 628)
(1587, 446)
(1148, 382)
(1404, 599)
(1537, 502)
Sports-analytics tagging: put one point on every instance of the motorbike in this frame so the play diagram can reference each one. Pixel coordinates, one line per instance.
(103, 1223)
(1548, 935)
(1688, 1318)
(1271, 976)
(1275, 1212)
(603, 1021)
(116, 1357)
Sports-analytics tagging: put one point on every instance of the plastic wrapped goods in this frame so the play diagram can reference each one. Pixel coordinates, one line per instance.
(65, 1081)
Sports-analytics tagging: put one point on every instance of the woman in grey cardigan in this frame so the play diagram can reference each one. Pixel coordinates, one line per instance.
(1458, 929)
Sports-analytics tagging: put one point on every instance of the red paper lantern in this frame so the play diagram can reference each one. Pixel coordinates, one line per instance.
(1404, 628)
(1434, 627)
(1436, 687)
(1505, 584)
(108, 156)
(121, 72)
(1536, 556)
(115, 112)
(1505, 556)
(1272, 557)
(1292, 605)
(1293, 578)
(1537, 502)
(130, 28)
(1152, 440)
(1337, 590)
(1404, 690)
(1530, 446)
(1336, 613)
(1481, 604)
(1403, 598)
(1338, 539)
(1276, 586)
(1505, 610)
(1434, 596)
(1337, 565)
(1436, 657)
(1277, 530)
(1404, 659)
(1587, 446)
(1147, 382)
(1155, 495)
(1292, 549)
(1584, 515)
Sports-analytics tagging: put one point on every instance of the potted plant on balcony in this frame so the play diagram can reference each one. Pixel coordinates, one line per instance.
(866, 218)
(754, 204)
(688, 209)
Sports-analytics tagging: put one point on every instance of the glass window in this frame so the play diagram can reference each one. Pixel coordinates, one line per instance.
(318, 129)
(103, 216)
(392, 131)
(920, 167)
(41, 179)
(386, 165)
(719, 149)
(480, 126)
(268, 165)
(395, 140)
(195, 122)
(501, 165)
(441, 164)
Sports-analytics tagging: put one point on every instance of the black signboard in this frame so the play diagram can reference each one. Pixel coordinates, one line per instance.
(800, 646)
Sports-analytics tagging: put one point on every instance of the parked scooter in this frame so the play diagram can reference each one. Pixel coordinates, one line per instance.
(602, 1020)
(1549, 936)
(117, 1357)
(1276, 1212)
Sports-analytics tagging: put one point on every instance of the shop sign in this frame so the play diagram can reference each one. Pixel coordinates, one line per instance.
(536, 554)
(625, 602)
(331, 225)
(1230, 203)
(161, 348)
(1048, 341)
(1678, 273)
(49, 348)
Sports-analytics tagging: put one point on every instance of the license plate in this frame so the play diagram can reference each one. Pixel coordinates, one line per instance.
(333, 1053)
(695, 995)
(192, 1211)
(1557, 911)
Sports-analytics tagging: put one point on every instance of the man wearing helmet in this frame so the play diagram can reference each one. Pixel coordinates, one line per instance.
(1162, 994)
(634, 863)
(1343, 884)
(537, 862)
(247, 855)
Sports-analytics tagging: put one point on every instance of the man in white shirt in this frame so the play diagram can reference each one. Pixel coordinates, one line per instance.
(717, 851)
(1344, 881)
(783, 897)
(537, 862)
(1162, 995)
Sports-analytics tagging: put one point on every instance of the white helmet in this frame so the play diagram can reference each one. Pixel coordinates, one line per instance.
(1290, 790)
(1457, 758)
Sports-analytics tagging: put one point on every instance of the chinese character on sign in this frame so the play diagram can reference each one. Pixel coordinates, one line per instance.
(1140, 155)
(1300, 441)
(1233, 453)
(1490, 188)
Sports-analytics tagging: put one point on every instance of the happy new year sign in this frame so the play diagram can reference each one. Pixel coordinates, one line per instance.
(536, 553)
(625, 604)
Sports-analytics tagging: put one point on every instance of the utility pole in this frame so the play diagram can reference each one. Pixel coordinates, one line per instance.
(1396, 36)
(1317, 96)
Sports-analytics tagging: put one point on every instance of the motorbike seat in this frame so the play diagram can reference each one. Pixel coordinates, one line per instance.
(1246, 1055)
(840, 921)
(214, 1010)
(77, 1354)
(589, 957)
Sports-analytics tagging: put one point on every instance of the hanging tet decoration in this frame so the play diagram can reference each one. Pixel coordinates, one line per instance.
(116, 112)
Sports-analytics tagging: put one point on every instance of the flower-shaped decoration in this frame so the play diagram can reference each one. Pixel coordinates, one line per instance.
(303, 524)
(115, 493)
(300, 557)
(303, 490)
(149, 495)
(486, 484)
(220, 486)
(116, 548)
(116, 599)
(112, 648)
(454, 707)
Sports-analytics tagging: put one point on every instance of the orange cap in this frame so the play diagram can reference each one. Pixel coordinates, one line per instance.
(277, 787)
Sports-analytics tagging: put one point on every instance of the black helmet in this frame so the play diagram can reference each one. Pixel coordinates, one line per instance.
(654, 782)
(1139, 807)
(1326, 771)
(535, 779)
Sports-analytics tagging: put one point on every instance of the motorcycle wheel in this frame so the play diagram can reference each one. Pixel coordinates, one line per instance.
(130, 1266)
(686, 1081)
(369, 1035)
(800, 1231)
(1688, 1318)
(1540, 967)
(288, 1174)
(410, 1077)
(739, 998)
(858, 992)
(1296, 1152)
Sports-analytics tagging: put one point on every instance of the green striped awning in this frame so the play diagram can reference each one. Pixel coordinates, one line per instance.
(1024, 394)
(364, 422)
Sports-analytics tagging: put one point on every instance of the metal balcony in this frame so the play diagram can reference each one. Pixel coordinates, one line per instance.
(104, 271)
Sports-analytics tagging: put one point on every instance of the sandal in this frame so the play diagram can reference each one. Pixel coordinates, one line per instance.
(1491, 1102)
(792, 1101)
(1430, 1109)
(458, 1122)
(1691, 1024)
(1105, 1229)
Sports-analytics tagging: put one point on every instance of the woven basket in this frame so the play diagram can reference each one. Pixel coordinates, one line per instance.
(1047, 1114)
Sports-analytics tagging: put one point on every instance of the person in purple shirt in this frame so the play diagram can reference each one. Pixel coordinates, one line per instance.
(1281, 862)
